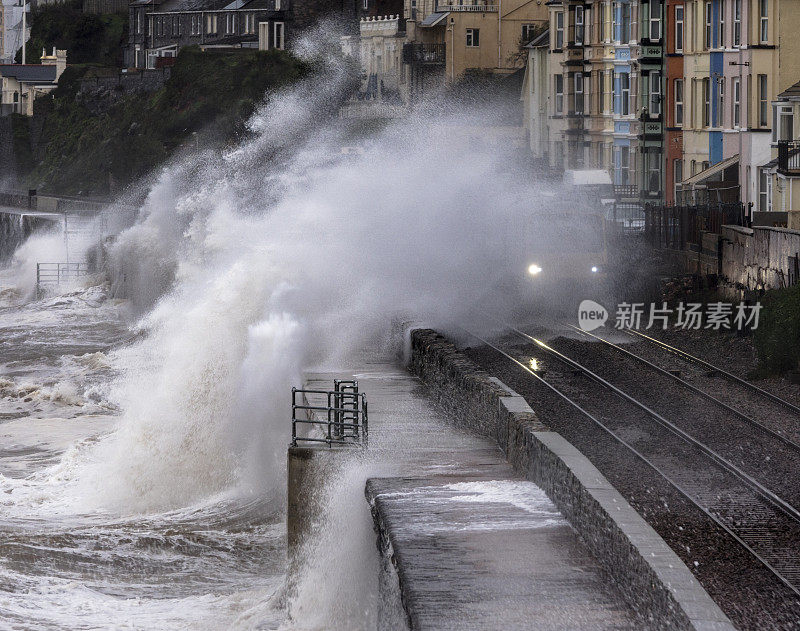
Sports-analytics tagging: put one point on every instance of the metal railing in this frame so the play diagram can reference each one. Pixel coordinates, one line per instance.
(470, 8)
(788, 156)
(58, 273)
(341, 421)
(626, 191)
(675, 227)
(423, 54)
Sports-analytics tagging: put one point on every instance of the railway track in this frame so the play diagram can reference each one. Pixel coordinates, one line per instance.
(759, 520)
(730, 377)
(765, 454)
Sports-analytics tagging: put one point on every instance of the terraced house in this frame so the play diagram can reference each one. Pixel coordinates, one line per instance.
(606, 64)
(738, 56)
(158, 29)
(447, 38)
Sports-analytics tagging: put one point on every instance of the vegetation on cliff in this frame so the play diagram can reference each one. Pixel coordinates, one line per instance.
(777, 338)
(68, 149)
(87, 38)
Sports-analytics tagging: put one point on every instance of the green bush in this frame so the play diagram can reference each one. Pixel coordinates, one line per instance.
(209, 93)
(777, 338)
(87, 38)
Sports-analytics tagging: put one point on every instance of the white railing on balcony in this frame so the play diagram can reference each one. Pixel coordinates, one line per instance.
(476, 8)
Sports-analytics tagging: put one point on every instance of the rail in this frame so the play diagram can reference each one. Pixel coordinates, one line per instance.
(724, 373)
(418, 53)
(344, 419)
(674, 227)
(467, 8)
(747, 534)
(788, 156)
(709, 397)
(59, 273)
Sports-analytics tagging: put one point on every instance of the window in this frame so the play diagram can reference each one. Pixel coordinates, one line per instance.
(655, 20)
(706, 103)
(176, 25)
(211, 24)
(737, 22)
(473, 38)
(277, 35)
(559, 41)
(678, 102)
(785, 123)
(138, 21)
(579, 24)
(559, 92)
(737, 102)
(622, 165)
(578, 93)
(603, 107)
(655, 93)
(366, 5)
(622, 22)
(720, 101)
(653, 172)
(679, 29)
(694, 167)
(707, 41)
(603, 19)
(528, 32)
(764, 201)
(228, 23)
(764, 20)
(624, 93)
(277, 5)
(677, 171)
(721, 33)
(762, 100)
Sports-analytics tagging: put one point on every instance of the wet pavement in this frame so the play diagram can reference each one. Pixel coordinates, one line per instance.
(475, 546)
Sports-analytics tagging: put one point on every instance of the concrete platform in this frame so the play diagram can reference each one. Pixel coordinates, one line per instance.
(474, 545)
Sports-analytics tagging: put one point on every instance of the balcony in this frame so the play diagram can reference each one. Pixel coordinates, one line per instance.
(477, 7)
(789, 157)
(419, 54)
(624, 192)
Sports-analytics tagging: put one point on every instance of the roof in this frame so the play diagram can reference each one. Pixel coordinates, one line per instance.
(711, 171)
(29, 73)
(543, 39)
(587, 177)
(790, 93)
(433, 19)
(190, 5)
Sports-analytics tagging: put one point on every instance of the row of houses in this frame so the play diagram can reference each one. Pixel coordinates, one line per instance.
(682, 101)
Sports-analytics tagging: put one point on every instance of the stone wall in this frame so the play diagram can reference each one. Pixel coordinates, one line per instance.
(649, 574)
(757, 258)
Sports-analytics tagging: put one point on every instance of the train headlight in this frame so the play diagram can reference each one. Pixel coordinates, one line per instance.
(595, 269)
(534, 269)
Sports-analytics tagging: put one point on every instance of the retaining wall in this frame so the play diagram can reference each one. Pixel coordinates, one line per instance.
(649, 574)
(757, 258)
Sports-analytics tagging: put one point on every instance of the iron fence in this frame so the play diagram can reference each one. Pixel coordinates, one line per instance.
(678, 227)
(788, 156)
(417, 53)
(343, 420)
(59, 273)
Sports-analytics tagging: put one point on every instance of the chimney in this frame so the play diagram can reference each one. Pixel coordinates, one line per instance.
(57, 59)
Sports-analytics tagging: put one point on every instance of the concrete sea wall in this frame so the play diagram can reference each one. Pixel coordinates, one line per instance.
(651, 577)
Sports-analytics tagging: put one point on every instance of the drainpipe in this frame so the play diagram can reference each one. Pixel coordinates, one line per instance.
(499, 31)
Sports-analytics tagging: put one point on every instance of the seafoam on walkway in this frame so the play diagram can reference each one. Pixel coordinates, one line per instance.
(475, 546)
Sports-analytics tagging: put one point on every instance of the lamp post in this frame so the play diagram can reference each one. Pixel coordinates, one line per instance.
(23, 32)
